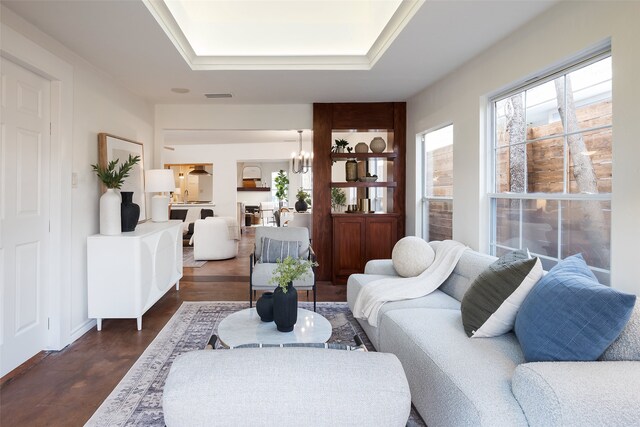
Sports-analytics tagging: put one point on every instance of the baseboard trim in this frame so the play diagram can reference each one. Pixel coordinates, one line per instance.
(82, 329)
(30, 363)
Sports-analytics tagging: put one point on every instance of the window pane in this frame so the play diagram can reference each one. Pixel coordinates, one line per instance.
(507, 222)
(502, 170)
(501, 109)
(567, 129)
(440, 172)
(589, 95)
(589, 170)
(440, 219)
(511, 169)
(545, 166)
(438, 160)
(542, 116)
(586, 229)
(540, 227)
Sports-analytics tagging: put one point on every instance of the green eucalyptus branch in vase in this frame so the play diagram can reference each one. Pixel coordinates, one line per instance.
(291, 269)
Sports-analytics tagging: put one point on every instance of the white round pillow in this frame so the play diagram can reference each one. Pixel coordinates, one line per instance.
(411, 256)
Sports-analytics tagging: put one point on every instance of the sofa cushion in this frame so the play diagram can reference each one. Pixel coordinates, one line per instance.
(454, 380)
(627, 345)
(411, 256)
(578, 393)
(285, 387)
(570, 316)
(470, 265)
(273, 250)
(436, 299)
(490, 305)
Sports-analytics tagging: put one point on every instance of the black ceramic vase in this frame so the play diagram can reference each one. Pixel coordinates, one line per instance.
(129, 212)
(285, 308)
(264, 307)
(301, 206)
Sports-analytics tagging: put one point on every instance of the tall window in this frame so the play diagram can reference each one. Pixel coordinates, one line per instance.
(551, 158)
(437, 185)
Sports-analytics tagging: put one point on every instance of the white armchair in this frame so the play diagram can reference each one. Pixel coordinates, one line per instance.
(261, 272)
(215, 238)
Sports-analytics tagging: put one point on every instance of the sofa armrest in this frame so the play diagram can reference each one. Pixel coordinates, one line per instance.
(578, 393)
(380, 266)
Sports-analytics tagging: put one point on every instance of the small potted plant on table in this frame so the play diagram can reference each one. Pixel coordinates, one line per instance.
(285, 296)
(304, 200)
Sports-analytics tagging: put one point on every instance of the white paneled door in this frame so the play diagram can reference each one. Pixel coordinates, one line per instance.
(24, 213)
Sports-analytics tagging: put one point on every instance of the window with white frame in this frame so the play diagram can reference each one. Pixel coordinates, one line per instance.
(551, 157)
(437, 184)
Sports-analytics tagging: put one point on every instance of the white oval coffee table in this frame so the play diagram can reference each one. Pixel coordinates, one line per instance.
(245, 327)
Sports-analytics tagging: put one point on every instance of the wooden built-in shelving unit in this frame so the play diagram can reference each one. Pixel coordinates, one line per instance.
(344, 242)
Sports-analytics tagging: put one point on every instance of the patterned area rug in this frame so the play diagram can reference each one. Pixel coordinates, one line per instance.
(137, 399)
(188, 260)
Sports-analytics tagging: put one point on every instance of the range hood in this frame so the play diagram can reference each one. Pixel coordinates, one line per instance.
(199, 170)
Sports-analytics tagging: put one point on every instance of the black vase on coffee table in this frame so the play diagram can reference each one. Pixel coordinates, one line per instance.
(285, 308)
(264, 307)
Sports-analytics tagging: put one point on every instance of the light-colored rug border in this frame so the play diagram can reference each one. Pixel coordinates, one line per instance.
(113, 413)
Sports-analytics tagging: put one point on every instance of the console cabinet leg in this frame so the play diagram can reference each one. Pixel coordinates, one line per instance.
(178, 285)
(99, 324)
(139, 321)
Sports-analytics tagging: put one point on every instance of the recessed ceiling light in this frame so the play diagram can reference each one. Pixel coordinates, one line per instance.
(180, 90)
(217, 95)
(221, 35)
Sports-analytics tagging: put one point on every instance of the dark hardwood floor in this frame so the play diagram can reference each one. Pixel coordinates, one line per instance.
(65, 388)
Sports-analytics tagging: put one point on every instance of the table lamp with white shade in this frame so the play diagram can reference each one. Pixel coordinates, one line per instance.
(159, 181)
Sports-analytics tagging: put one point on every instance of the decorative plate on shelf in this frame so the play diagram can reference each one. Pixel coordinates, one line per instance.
(368, 179)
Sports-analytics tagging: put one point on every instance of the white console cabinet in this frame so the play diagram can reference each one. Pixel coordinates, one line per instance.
(129, 272)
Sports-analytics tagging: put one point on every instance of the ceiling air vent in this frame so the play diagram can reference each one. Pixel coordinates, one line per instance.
(217, 95)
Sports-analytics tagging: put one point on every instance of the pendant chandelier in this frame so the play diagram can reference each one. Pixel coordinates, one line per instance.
(300, 162)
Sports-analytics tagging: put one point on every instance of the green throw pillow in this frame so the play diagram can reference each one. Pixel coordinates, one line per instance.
(490, 305)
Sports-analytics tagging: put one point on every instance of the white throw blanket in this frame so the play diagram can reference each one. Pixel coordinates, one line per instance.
(374, 294)
(232, 228)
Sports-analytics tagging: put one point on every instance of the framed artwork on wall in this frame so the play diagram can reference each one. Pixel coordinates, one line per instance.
(111, 147)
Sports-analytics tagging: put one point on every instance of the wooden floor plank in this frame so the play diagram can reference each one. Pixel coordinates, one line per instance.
(65, 388)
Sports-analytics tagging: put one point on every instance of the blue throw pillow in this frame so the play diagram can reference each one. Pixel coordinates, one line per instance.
(570, 316)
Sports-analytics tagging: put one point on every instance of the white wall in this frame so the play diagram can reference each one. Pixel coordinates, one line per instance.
(558, 34)
(267, 169)
(225, 156)
(99, 105)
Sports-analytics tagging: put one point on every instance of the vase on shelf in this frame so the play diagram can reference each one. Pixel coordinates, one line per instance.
(129, 212)
(301, 206)
(377, 145)
(110, 213)
(362, 147)
(264, 307)
(285, 308)
(351, 170)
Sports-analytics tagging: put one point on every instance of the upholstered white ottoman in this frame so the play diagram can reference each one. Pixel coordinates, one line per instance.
(286, 387)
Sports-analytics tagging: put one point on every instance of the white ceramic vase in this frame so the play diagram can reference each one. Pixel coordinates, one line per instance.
(377, 145)
(110, 224)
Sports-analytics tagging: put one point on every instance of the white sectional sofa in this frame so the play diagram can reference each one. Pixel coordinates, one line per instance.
(459, 381)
